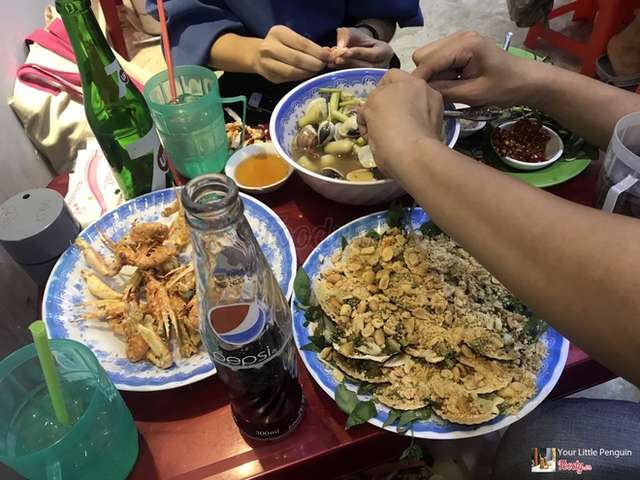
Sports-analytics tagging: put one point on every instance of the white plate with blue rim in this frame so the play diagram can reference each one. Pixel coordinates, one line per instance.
(557, 345)
(65, 289)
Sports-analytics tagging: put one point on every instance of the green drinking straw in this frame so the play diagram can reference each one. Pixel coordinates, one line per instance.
(39, 332)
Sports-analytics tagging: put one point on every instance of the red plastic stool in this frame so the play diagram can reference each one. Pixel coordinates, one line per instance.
(607, 17)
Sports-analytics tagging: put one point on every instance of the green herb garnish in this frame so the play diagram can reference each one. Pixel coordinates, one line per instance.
(373, 234)
(313, 313)
(406, 418)
(318, 340)
(534, 328)
(514, 305)
(311, 347)
(366, 388)
(397, 216)
(346, 399)
(413, 453)
(405, 422)
(362, 413)
(430, 229)
(393, 416)
(358, 411)
(301, 286)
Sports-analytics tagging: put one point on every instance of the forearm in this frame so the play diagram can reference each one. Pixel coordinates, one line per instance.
(385, 28)
(560, 259)
(581, 104)
(234, 53)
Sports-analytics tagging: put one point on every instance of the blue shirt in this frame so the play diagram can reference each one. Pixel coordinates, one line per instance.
(194, 25)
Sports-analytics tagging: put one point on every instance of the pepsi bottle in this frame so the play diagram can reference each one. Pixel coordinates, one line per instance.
(245, 320)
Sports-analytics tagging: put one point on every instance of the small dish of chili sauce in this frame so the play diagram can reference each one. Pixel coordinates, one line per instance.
(526, 144)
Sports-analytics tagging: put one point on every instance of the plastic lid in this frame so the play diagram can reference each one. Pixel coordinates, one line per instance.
(36, 226)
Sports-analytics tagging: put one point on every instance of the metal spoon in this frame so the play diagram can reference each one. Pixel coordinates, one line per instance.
(485, 113)
(507, 41)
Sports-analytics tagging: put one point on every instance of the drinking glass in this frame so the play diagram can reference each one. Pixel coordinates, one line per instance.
(101, 441)
(192, 129)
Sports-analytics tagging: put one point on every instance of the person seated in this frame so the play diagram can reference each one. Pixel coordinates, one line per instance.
(621, 64)
(575, 266)
(267, 47)
(623, 50)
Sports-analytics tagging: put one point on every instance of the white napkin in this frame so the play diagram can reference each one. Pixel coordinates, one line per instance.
(93, 190)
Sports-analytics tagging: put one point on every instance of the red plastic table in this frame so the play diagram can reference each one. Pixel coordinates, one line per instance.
(188, 433)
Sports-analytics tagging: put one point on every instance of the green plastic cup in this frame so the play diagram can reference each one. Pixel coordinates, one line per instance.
(192, 130)
(102, 440)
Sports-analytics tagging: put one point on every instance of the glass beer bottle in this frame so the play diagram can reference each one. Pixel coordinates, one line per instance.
(116, 110)
(245, 320)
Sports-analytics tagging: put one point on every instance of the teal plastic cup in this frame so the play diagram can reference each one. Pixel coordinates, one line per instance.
(101, 441)
(192, 131)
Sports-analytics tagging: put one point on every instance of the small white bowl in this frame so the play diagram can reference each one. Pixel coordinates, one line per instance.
(555, 147)
(249, 151)
(464, 130)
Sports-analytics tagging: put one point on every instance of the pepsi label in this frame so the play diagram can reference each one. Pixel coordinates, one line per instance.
(240, 324)
(237, 324)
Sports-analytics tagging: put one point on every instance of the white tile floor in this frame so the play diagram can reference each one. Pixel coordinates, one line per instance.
(470, 458)
(488, 17)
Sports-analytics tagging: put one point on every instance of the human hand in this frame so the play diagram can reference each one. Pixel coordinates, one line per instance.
(285, 56)
(362, 50)
(466, 67)
(399, 112)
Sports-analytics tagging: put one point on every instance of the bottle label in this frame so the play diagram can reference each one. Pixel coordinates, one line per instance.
(237, 324)
(151, 143)
(240, 324)
(123, 78)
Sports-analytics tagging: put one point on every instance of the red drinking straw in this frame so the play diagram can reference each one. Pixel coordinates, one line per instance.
(167, 51)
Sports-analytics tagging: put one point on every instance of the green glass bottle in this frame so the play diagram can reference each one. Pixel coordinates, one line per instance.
(116, 110)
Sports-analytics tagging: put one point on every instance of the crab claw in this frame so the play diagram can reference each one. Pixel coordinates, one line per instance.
(98, 288)
(97, 261)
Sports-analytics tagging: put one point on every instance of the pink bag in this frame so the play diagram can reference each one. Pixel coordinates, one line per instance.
(48, 79)
(47, 97)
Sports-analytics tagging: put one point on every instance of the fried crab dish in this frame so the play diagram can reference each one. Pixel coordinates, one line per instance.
(158, 306)
(422, 324)
(256, 134)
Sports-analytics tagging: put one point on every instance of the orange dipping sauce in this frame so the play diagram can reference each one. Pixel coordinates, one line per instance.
(261, 169)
